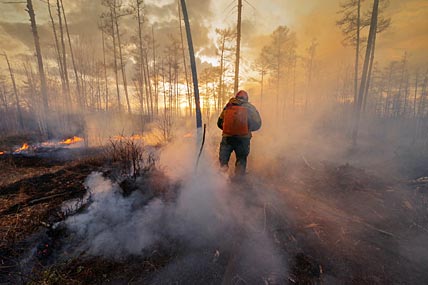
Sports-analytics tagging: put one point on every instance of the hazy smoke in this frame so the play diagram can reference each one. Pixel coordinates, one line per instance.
(210, 213)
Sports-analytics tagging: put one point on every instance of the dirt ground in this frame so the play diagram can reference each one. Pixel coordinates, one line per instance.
(335, 224)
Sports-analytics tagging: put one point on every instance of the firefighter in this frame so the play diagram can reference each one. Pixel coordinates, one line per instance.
(237, 120)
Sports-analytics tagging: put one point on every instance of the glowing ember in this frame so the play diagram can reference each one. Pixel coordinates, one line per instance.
(1, 152)
(25, 146)
(72, 140)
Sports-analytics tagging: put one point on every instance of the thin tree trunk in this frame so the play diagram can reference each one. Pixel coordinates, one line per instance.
(370, 42)
(122, 66)
(140, 49)
(189, 99)
(238, 47)
(105, 72)
(64, 55)
(193, 65)
(221, 97)
(72, 55)
(15, 91)
(366, 92)
(148, 84)
(155, 73)
(57, 48)
(357, 52)
(42, 75)
(416, 93)
(115, 59)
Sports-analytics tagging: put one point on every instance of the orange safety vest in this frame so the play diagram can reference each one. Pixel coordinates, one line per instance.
(235, 122)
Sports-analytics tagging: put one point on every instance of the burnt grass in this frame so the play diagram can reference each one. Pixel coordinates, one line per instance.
(334, 224)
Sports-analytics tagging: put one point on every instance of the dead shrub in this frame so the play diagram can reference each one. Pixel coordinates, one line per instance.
(131, 156)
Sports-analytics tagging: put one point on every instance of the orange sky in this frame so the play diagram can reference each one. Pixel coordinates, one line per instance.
(309, 18)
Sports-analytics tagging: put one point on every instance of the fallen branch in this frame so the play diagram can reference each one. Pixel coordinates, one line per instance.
(306, 162)
(32, 202)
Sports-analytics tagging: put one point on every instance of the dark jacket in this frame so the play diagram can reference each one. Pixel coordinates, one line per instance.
(254, 120)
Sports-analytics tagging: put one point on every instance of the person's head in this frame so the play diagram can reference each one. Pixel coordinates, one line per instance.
(242, 95)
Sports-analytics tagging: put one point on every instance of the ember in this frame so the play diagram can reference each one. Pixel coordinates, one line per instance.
(25, 146)
(72, 140)
(2, 152)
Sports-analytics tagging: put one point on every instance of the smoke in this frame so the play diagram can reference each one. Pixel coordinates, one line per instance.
(212, 218)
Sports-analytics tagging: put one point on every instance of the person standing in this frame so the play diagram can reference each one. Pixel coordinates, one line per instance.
(237, 120)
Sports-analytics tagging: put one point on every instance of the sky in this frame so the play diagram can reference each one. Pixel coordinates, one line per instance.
(310, 19)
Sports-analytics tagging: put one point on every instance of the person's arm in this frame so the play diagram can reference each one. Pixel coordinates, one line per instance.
(254, 119)
(220, 120)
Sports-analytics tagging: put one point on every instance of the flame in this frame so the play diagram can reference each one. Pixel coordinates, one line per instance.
(25, 146)
(72, 140)
(2, 152)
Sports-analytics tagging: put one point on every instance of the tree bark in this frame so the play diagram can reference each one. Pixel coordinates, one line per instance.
(42, 75)
(15, 91)
(122, 66)
(105, 71)
(72, 56)
(370, 46)
(357, 52)
(193, 66)
(238, 47)
(113, 35)
(64, 55)
(189, 98)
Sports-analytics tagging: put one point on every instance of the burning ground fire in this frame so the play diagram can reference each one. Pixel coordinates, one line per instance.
(71, 140)
(26, 147)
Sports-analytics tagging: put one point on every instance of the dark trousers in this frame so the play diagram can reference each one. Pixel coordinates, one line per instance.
(241, 147)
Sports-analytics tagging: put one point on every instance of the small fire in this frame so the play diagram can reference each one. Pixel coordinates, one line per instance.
(71, 140)
(2, 152)
(25, 146)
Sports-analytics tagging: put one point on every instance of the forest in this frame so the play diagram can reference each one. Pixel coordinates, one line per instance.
(110, 142)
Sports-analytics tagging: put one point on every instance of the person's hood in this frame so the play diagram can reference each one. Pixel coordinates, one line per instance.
(236, 101)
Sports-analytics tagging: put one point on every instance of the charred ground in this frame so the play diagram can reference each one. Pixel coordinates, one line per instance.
(331, 223)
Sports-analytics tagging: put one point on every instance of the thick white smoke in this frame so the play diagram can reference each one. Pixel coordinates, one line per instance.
(210, 212)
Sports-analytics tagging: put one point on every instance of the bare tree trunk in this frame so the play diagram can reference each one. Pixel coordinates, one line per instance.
(370, 42)
(64, 55)
(357, 52)
(105, 72)
(148, 84)
(221, 97)
(238, 47)
(57, 48)
(416, 93)
(189, 98)
(42, 75)
(155, 73)
(15, 91)
(72, 56)
(140, 51)
(115, 59)
(193, 65)
(122, 66)
(366, 92)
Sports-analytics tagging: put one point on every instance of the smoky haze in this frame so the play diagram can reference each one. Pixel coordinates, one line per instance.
(336, 175)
